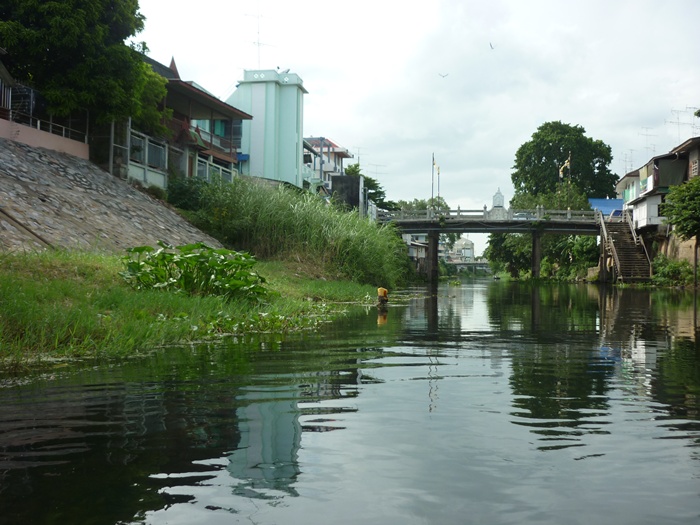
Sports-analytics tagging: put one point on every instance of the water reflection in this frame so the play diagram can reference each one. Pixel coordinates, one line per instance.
(410, 415)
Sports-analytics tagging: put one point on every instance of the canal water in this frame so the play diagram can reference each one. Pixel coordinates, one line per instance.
(484, 403)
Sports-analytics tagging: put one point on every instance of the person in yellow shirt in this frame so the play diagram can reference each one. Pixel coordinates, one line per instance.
(382, 296)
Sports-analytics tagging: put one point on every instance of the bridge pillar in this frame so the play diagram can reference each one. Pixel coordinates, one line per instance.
(432, 262)
(536, 253)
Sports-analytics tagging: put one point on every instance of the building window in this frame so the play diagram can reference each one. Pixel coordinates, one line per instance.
(694, 168)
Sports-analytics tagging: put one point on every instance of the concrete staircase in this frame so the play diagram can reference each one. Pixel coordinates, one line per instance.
(632, 263)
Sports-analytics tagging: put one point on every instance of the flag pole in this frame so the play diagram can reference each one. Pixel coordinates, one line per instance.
(432, 183)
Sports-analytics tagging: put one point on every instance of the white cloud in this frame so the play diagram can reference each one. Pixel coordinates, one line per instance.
(624, 70)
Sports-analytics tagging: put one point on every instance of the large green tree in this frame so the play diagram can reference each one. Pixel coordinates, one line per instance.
(559, 154)
(75, 53)
(558, 168)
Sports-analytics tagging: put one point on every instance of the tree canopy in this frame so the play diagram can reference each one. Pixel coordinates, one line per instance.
(566, 196)
(436, 203)
(682, 208)
(74, 52)
(561, 153)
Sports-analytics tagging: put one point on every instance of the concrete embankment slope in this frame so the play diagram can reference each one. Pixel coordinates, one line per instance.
(50, 199)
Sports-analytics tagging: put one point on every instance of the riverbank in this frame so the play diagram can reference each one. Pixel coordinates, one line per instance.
(52, 200)
(67, 305)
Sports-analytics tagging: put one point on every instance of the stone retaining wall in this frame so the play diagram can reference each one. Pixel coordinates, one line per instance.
(51, 199)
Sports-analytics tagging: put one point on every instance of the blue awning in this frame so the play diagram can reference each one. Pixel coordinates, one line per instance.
(606, 205)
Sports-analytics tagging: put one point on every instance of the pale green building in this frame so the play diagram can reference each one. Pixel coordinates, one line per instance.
(272, 143)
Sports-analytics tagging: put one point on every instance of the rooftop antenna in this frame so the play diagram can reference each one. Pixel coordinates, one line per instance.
(358, 148)
(695, 128)
(646, 136)
(257, 42)
(631, 161)
(376, 172)
(678, 122)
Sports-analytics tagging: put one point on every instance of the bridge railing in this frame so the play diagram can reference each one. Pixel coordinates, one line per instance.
(538, 214)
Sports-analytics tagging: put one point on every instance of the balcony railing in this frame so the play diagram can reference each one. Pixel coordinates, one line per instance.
(226, 145)
(148, 152)
(212, 172)
(18, 104)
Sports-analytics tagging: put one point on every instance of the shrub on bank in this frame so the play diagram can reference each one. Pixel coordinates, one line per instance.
(670, 272)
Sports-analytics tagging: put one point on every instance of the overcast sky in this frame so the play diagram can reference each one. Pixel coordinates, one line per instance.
(468, 81)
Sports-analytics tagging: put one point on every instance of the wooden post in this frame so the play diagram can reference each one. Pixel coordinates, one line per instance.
(432, 262)
(603, 276)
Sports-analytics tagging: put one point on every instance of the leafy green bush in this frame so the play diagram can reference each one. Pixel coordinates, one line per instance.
(186, 192)
(156, 192)
(670, 272)
(195, 269)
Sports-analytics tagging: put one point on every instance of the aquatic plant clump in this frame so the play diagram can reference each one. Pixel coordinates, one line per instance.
(196, 269)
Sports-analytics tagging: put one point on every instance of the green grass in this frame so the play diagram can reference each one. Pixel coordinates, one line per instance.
(317, 258)
(59, 304)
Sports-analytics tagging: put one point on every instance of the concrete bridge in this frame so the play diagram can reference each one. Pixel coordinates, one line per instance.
(496, 220)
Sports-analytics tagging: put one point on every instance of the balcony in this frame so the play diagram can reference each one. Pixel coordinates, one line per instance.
(223, 148)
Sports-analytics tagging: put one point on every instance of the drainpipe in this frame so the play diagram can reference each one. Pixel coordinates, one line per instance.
(320, 148)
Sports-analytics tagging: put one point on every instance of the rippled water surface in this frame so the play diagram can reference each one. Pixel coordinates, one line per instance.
(485, 403)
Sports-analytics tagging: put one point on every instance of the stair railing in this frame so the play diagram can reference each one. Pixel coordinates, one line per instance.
(608, 242)
(638, 239)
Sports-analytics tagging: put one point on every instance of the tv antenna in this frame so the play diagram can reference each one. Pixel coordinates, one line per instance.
(678, 122)
(258, 44)
(646, 136)
(695, 128)
(358, 148)
(630, 166)
(376, 172)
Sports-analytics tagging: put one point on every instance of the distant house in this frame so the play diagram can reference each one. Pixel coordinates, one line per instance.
(272, 144)
(205, 134)
(326, 159)
(417, 250)
(462, 251)
(644, 190)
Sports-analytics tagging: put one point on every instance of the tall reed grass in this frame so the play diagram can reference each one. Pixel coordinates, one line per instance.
(277, 221)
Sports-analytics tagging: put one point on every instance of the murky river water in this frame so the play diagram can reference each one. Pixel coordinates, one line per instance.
(489, 403)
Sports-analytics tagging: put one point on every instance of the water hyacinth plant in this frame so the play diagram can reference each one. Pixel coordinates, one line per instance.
(196, 269)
